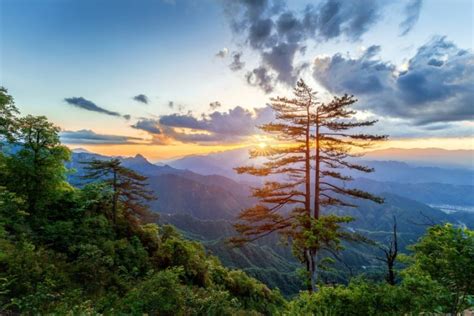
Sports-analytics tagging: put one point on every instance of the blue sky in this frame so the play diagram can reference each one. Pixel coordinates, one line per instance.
(106, 52)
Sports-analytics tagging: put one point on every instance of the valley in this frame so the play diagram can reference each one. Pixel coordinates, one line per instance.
(204, 206)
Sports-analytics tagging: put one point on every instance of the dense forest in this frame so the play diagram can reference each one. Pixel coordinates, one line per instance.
(97, 249)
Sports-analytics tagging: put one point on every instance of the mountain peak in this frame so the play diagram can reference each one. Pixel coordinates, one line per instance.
(81, 150)
(140, 156)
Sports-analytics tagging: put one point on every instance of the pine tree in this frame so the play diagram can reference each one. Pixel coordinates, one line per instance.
(334, 147)
(303, 125)
(128, 187)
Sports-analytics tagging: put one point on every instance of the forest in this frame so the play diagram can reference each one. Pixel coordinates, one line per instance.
(98, 248)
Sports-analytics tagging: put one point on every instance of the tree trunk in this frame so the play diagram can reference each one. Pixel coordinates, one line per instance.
(114, 202)
(314, 271)
(317, 175)
(311, 268)
(309, 257)
(391, 274)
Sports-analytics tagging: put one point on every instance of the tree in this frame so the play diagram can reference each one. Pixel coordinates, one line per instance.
(445, 254)
(390, 254)
(287, 197)
(38, 170)
(8, 112)
(303, 124)
(128, 187)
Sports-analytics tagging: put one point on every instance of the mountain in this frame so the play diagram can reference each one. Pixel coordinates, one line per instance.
(392, 169)
(426, 156)
(221, 163)
(272, 262)
(179, 191)
(203, 208)
(429, 193)
(402, 172)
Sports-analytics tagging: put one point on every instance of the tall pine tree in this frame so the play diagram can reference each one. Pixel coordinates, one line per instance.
(128, 188)
(311, 136)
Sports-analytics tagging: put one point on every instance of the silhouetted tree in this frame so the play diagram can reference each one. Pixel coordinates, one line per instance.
(302, 123)
(128, 187)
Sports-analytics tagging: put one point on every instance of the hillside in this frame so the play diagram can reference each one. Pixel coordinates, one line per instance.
(180, 191)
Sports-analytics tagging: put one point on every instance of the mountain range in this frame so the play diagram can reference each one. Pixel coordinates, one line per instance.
(201, 196)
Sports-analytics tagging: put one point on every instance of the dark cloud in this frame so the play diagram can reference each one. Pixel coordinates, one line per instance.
(141, 98)
(182, 120)
(85, 104)
(89, 137)
(127, 116)
(261, 77)
(236, 64)
(412, 13)
(215, 105)
(280, 59)
(349, 18)
(436, 86)
(147, 125)
(218, 127)
(279, 34)
(223, 127)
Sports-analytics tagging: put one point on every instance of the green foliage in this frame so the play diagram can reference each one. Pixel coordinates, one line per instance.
(37, 169)
(159, 294)
(61, 251)
(8, 112)
(362, 297)
(437, 280)
(446, 256)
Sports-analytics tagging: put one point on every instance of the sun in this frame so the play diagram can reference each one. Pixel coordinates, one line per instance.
(262, 145)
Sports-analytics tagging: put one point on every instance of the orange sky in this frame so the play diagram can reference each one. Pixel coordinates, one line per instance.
(163, 152)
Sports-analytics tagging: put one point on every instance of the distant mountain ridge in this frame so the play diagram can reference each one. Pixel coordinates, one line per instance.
(426, 156)
(179, 191)
(390, 169)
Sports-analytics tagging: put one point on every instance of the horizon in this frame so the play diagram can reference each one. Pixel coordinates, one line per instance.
(109, 84)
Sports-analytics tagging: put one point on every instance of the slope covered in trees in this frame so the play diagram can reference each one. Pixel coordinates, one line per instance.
(66, 250)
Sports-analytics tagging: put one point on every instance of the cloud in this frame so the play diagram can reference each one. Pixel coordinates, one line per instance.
(85, 104)
(147, 125)
(232, 126)
(174, 105)
(141, 98)
(183, 121)
(215, 105)
(222, 53)
(236, 64)
(279, 34)
(280, 59)
(435, 87)
(412, 13)
(261, 77)
(85, 136)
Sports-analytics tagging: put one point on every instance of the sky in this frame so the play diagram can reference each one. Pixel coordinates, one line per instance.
(167, 78)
